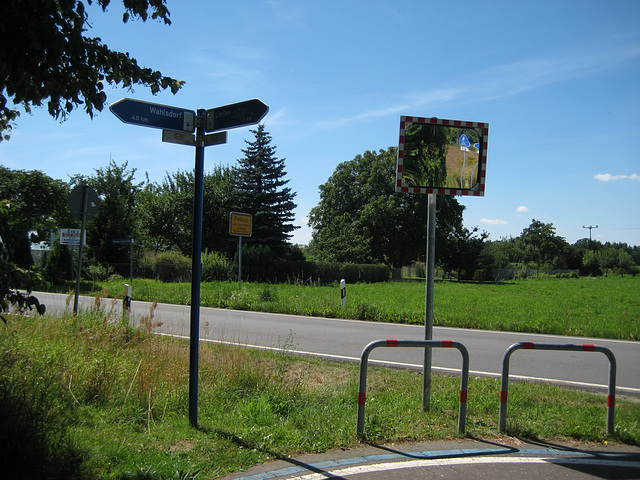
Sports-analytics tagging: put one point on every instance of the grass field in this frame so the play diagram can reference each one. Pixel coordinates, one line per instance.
(89, 397)
(603, 307)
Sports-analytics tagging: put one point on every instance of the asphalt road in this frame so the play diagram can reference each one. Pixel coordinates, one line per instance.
(345, 339)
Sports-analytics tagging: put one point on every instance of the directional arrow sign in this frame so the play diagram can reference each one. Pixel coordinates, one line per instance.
(215, 139)
(235, 115)
(154, 115)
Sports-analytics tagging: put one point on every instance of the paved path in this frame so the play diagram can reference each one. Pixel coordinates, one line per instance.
(506, 459)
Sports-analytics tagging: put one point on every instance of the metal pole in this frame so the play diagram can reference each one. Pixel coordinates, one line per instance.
(428, 323)
(196, 269)
(85, 201)
(590, 227)
(239, 262)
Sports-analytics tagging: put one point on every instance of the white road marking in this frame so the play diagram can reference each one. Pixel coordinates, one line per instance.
(446, 462)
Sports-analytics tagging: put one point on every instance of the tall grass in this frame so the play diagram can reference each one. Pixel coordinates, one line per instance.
(605, 307)
(91, 397)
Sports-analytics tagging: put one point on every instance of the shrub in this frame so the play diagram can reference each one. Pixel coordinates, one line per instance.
(258, 263)
(215, 267)
(172, 267)
(317, 273)
(146, 267)
(59, 264)
(96, 272)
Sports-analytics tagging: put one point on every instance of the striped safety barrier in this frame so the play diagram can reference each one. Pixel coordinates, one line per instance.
(364, 360)
(561, 347)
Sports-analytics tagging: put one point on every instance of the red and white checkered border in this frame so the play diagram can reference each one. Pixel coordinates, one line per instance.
(477, 190)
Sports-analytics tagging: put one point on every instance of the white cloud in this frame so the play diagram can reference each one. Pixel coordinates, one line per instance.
(368, 115)
(607, 177)
(522, 209)
(506, 80)
(488, 221)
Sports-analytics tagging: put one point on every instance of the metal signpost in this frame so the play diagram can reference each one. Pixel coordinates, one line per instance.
(414, 133)
(83, 203)
(180, 120)
(240, 224)
(428, 304)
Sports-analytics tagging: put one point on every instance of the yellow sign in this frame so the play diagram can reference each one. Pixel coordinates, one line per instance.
(240, 224)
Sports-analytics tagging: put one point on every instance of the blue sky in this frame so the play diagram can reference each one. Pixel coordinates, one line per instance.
(558, 82)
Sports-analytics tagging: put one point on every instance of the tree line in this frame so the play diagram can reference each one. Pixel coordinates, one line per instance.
(359, 218)
(156, 215)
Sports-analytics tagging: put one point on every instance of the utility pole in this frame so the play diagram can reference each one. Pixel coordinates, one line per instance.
(590, 227)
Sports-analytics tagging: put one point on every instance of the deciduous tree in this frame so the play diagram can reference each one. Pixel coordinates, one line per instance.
(540, 245)
(36, 204)
(166, 211)
(117, 216)
(46, 57)
(360, 218)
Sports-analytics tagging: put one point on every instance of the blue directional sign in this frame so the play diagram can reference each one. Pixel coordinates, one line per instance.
(154, 115)
(464, 141)
(235, 115)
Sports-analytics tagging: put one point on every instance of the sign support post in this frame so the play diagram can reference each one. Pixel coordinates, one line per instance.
(85, 201)
(240, 224)
(178, 125)
(428, 316)
(83, 204)
(196, 269)
(433, 171)
(239, 262)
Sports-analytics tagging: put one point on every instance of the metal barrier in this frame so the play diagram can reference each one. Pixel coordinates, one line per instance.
(566, 347)
(413, 343)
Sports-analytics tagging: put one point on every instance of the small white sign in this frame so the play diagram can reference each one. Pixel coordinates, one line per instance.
(71, 236)
(181, 138)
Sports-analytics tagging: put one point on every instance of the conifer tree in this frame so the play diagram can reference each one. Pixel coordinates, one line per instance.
(262, 193)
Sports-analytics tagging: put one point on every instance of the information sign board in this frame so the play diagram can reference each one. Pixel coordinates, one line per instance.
(154, 115)
(240, 224)
(70, 236)
(235, 115)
